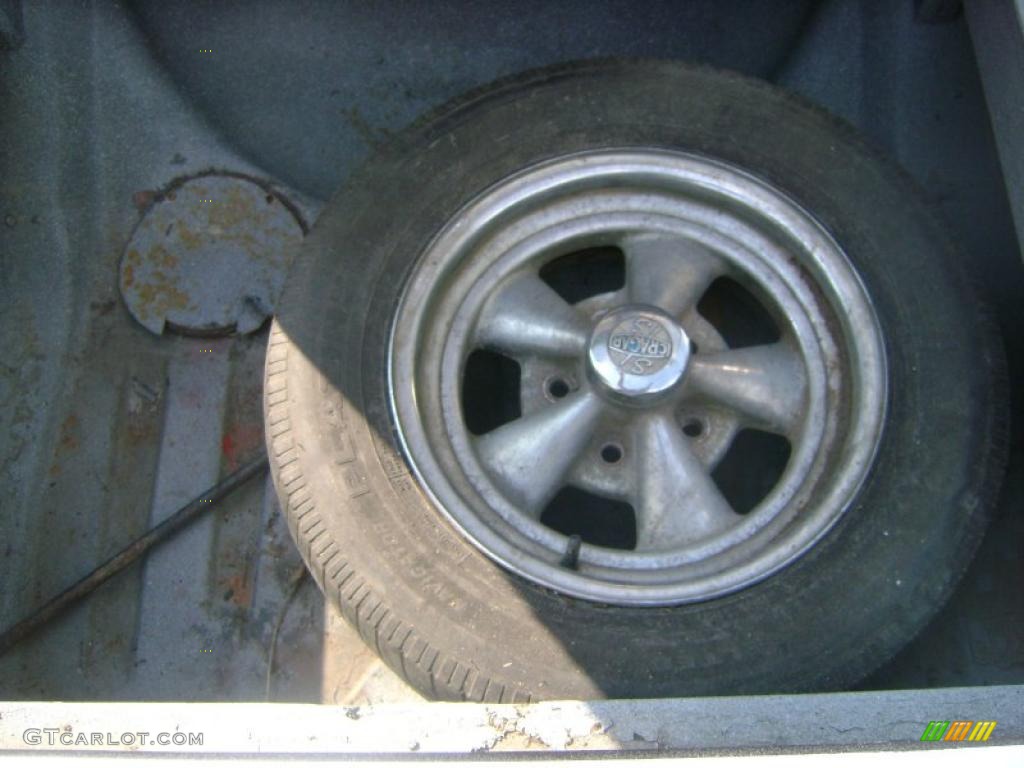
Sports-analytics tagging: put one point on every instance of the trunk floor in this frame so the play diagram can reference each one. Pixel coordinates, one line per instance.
(106, 428)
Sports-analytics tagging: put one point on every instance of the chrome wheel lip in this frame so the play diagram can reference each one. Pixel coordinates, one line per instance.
(617, 578)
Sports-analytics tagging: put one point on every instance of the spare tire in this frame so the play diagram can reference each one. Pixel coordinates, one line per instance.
(633, 379)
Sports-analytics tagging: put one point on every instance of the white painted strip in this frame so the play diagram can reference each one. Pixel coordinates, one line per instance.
(173, 626)
(762, 723)
(982, 757)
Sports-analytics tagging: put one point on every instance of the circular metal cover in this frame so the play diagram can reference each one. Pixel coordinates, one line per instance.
(637, 354)
(209, 256)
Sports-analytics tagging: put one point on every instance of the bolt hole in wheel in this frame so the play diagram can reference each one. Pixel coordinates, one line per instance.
(620, 266)
(611, 453)
(558, 388)
(693, 428)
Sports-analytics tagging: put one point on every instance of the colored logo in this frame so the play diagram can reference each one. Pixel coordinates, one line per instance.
(958, 730)
(640, 345)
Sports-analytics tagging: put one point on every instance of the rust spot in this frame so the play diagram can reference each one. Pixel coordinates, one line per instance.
(139, 434)
(232, 211)
(67, 441)
(240, 442)
(188, 238)
(239, 591)
(159, 295)
(169, 260)
(129, 275)
(143, 199)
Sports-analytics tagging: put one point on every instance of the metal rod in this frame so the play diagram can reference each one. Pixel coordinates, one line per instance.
(130, 554)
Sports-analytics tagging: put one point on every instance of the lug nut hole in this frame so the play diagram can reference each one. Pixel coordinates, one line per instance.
(693, 428)
(558, 388)
(611, 453)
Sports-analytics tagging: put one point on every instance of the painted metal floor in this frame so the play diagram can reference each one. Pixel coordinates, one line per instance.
(105, 428)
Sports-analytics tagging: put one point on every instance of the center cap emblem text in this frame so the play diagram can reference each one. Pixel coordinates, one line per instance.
(640, 346)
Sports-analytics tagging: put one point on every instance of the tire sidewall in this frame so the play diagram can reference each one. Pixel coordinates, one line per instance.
(824, 621)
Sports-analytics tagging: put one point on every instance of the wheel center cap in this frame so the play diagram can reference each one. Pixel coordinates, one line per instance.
(637, 354)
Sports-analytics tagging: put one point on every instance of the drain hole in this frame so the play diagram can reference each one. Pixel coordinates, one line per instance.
(738, 314)
(611, 453)
(595, 519)
(490, 391)
(694, 428)
(750, 469)
(558, 388)
(585, 273)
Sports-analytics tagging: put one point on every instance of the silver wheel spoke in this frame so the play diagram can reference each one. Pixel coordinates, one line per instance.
(764, 384)
(677, 502)
(671, 273)
(526, 316)
(530, 457)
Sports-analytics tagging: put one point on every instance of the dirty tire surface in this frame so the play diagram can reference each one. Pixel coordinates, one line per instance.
(458, 626)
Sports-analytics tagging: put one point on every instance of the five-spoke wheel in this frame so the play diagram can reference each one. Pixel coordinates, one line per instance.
(584, 281)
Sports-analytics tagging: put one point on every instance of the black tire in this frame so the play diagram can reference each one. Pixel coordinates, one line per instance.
(455, 624)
